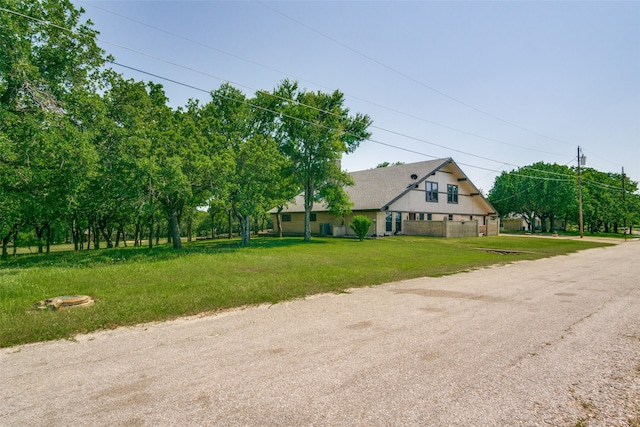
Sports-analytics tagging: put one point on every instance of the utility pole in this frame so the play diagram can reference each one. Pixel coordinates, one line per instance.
(623, 179)
(581, 159)
(624, 206)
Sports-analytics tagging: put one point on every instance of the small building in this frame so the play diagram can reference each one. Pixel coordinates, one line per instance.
(432, 198)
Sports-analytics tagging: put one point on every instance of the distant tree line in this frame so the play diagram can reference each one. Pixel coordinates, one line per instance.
(88, 155)
(548, 193)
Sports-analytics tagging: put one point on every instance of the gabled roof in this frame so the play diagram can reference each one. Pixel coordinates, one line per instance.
(376, 189)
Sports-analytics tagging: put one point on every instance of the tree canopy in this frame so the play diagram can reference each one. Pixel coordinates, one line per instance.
(548, 192)
(88, 155)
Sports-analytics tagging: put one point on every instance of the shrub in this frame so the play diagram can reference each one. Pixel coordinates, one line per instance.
(360, 225)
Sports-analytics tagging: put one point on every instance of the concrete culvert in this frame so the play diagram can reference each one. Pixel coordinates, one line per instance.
(64, 302)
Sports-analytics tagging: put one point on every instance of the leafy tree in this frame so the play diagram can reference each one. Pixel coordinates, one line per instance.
(387, 164)
(49, 65)
(255, 159)
(511, 194)
(361, 224)
(315, 130)
(549, 191)
(545, 191)
(604, 205)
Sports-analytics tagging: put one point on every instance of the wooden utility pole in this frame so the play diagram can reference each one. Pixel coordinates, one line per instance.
(580, 195)
(624, 206)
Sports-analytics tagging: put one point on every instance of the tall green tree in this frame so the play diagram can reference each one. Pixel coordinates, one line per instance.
(314, 131)
(605, 205)
(49, 65)
(544, 191)
(256, 163)
(118, 192)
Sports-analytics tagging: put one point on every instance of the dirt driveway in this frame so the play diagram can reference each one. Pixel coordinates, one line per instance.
(535, 343)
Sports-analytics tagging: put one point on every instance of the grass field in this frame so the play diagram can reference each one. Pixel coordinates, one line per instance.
(136, 285)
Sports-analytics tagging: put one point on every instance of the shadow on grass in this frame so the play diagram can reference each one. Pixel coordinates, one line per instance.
(100, 257)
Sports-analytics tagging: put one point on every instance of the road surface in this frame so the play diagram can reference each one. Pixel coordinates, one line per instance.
(534, 343)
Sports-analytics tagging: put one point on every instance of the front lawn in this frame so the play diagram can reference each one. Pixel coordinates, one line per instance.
(137, 285)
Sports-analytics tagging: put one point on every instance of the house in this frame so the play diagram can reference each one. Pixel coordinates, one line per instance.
(433, 198)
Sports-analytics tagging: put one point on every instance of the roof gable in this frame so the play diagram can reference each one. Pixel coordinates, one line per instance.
(377, 189)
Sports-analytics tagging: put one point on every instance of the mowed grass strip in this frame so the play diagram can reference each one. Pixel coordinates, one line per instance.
(137, 285)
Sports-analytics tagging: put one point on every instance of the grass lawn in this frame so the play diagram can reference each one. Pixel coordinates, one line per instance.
(136, 285)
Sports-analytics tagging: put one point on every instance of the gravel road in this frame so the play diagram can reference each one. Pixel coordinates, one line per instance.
(535, 343)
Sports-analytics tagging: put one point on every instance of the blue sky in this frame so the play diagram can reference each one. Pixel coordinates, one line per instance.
(494, 85)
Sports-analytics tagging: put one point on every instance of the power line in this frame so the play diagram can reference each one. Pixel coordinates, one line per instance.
(207, 74)
(289, 100)
(207, 46)
(290, 117)
(408, 77)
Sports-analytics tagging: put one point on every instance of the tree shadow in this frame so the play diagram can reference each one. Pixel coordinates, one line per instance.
(100, 257)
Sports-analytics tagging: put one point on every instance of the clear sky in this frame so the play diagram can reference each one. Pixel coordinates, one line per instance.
(493, 84)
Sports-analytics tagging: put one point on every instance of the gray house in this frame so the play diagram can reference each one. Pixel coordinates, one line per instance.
(433, 198)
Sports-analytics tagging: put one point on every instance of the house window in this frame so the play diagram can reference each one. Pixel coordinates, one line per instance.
(398, 221)
(450, 217)
(452, 193)
(429, 217)
(421, 217)
(432, 191)
(286, 217)
(389, 221)
(312, 217)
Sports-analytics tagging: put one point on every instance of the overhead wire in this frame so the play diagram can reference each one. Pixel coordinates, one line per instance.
(421, 83)
(285, 115)
(407, 76)
(267, 93)
(207, 74)
(351, 96)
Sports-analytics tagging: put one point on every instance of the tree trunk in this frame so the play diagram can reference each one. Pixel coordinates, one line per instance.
(106, 233)
(189, 229)
(74, 232)
(230, 225)
(308, 204)
(174, 229)
(279, 221)
(124, 236)
(88, 234)
(213, 228)
(49, 235)
(245, 226)
(39, 232)
(5, 244)
(151, 232)
(136, 234)
(246, 231)
(96, 237)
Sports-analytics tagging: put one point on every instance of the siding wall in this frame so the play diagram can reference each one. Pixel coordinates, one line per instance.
(442, 228)
(461, 226)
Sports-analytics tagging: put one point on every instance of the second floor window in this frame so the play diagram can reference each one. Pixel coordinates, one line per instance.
(432, 191)
(452, 194)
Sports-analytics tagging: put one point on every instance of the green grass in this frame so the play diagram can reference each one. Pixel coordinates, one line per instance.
(136, 285)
